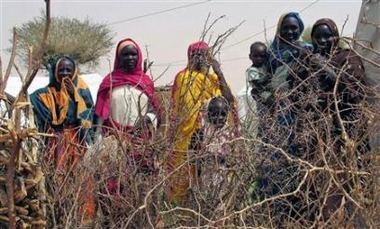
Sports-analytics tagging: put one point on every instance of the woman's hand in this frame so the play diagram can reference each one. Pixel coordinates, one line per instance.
(317, 60)
(226, 91)
(70, 88)
(216, 67)
(143, 124)
(143, 121)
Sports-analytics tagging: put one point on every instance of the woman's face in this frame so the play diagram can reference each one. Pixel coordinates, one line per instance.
(65, 68)
(290, 29)
(199, 59)
(128, 58)
(323, 39)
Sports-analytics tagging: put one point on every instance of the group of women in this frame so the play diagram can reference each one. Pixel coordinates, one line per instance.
(318, 85)
(319, 116)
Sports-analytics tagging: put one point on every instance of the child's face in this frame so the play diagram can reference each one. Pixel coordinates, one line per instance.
(258, 55)
(217, 114)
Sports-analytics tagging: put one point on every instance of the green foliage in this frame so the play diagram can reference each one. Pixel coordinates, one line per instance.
(84, 40)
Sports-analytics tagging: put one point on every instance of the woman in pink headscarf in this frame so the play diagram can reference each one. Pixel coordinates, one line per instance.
(126, 107)
(126, 94)
(192, 87)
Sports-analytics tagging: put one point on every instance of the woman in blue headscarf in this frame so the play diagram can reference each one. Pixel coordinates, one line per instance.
(286, 47)
(284, 52)
(64, 108)
(276, 175)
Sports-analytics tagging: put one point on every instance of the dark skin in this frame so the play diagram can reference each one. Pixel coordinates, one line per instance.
(323, 39)
(217, 112)
(128, 58)
(289, 31)
(257, 55)
(200, 60)
(226, 91)
(66, 70)
(324, 43)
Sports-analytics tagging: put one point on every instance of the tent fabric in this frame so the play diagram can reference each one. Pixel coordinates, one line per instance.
(367, 44)
(246, 108)
(367, 41)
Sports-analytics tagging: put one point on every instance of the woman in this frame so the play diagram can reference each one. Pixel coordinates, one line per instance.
(126, 97)
(276, 174)
(341, 93)
(65, 108)
(127, 107)
(192, 87)
(330, 94)
(285, 49)
(284, 54)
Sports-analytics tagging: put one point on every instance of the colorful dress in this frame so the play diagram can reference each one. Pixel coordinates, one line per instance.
(70, 120)
(190, 91)
(123, 99)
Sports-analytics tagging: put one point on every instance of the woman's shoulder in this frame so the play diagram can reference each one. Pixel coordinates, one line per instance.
(347, 55)
(82, 83)
(39, 95)
(306, 45)
(345, 52)
(42, 90)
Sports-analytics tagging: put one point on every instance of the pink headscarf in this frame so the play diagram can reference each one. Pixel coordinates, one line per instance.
(119, 77)
(199, 45)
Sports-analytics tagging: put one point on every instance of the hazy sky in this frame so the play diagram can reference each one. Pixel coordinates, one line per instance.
(168, 34)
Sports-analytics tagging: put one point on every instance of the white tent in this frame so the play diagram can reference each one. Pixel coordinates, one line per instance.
(14, 84)
(367, 39)
(367, 43)
(246, 108)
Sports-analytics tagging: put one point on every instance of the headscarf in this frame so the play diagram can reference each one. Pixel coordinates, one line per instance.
(199, 45)
(56, 99)
(276, 40)
(331, 25)
(119, 77)
(54, 79)
(278, 56)
(196, 46)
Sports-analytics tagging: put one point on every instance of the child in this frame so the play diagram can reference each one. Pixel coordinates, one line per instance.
(216, 147)
(257, 76)
(216, 131)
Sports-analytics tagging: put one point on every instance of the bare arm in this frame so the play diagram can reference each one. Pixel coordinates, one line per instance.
(226, 91)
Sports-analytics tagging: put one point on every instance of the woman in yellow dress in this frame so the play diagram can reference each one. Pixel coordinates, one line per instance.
(192, 87)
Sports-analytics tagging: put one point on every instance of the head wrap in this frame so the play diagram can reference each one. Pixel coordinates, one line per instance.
(119, 77)
(124, 44)
(56, 97)
(200, 45)
(330, 24)
(295, 15)
(54, 79)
